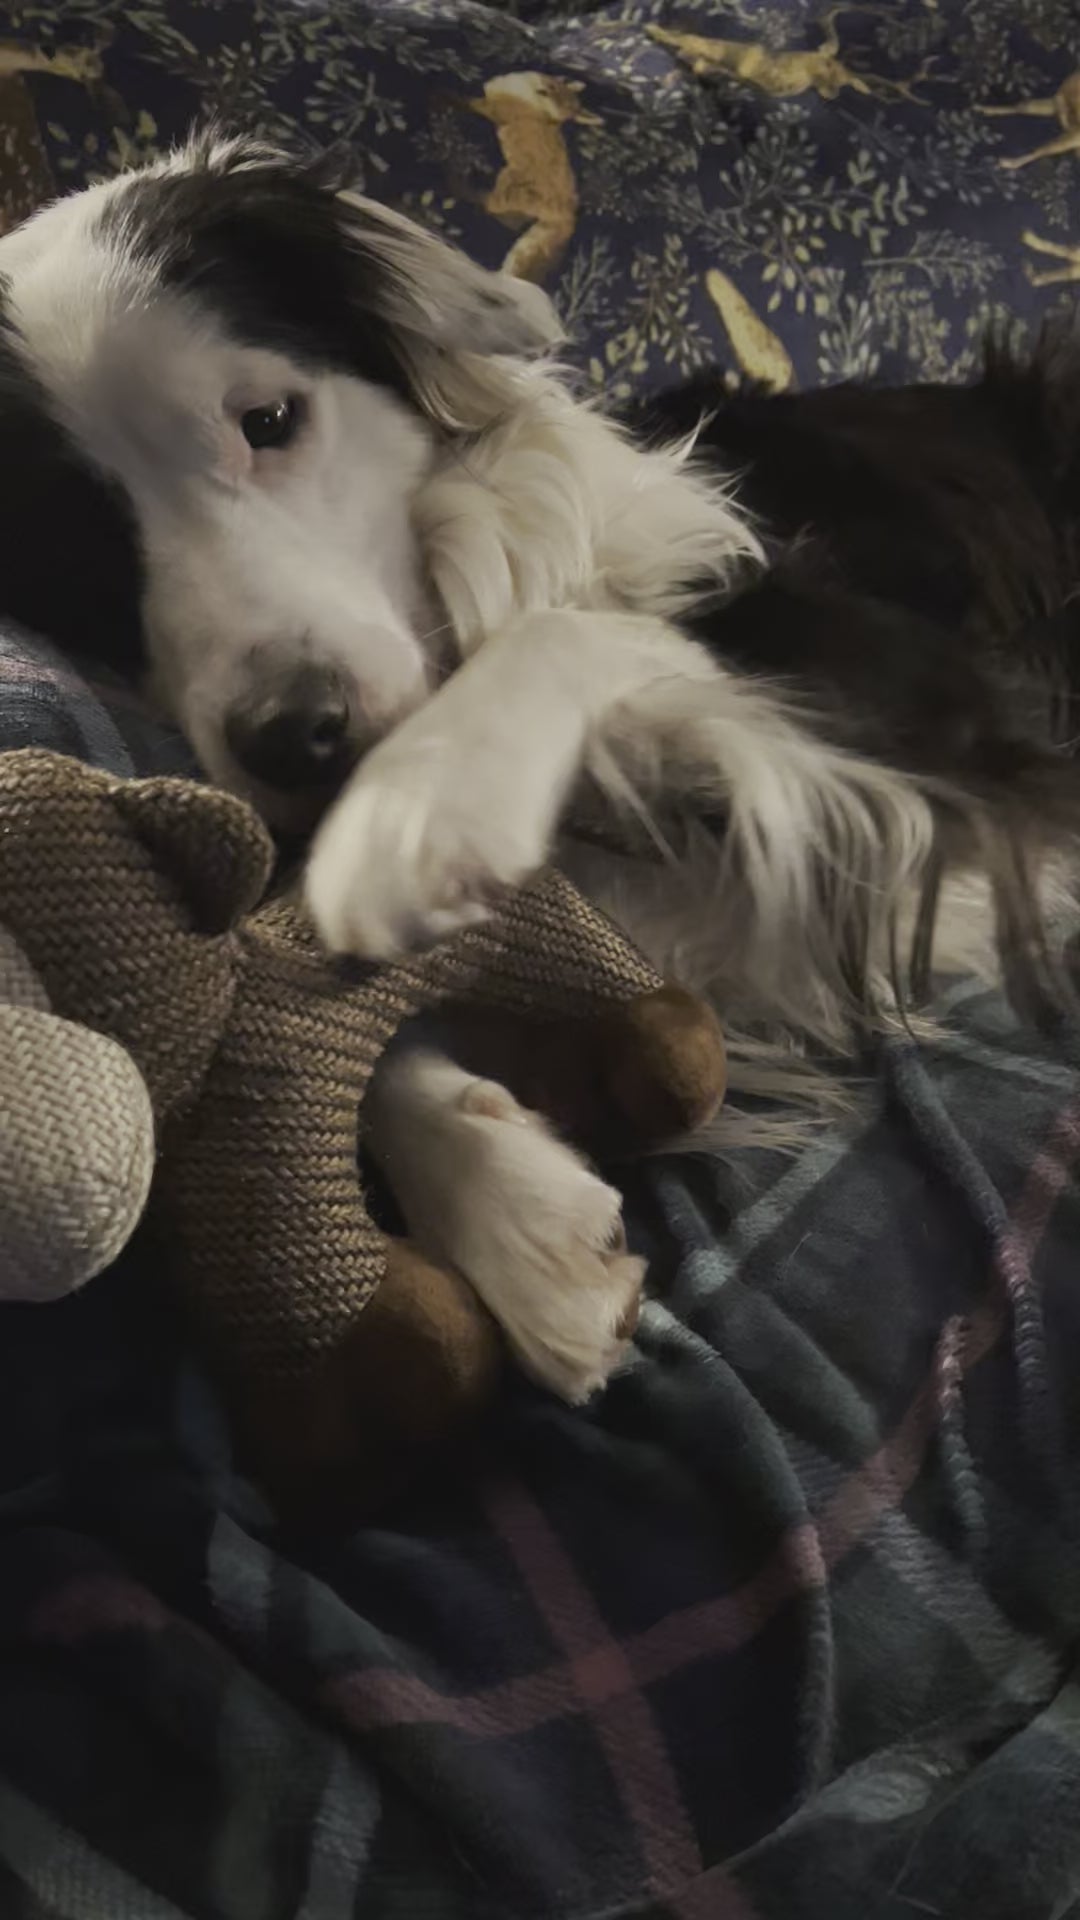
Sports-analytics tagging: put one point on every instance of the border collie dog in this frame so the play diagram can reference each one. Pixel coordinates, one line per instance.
(318, 479)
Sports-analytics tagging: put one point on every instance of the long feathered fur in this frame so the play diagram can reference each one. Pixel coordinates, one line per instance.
(872, 782)
(840, 756)
(892, 774)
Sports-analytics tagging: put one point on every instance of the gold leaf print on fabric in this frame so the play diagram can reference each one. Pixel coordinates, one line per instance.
(761, 355)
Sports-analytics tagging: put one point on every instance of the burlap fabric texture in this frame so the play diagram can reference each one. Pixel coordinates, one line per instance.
(138, 903)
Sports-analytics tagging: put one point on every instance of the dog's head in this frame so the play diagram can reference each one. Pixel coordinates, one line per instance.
(222, 383)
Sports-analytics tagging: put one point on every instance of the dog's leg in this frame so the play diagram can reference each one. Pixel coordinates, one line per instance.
(461, 802)
(485, 1187)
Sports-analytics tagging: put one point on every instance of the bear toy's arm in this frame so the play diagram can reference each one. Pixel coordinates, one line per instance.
(623, 1080)
(389, 1403)
(353, 1362)
(398, 1386)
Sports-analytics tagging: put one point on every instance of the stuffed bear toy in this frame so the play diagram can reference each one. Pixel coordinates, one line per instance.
(164, 994)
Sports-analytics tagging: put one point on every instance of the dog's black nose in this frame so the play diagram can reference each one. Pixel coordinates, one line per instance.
(295, 734)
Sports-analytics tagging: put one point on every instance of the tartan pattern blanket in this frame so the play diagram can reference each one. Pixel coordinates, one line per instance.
(781, 1628)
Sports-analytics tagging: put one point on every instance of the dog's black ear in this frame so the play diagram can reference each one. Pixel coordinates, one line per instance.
(439, 297)
(423, 285)
(292, 256)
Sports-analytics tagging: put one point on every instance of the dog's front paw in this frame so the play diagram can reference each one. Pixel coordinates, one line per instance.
(407, 857)
(540, 1237)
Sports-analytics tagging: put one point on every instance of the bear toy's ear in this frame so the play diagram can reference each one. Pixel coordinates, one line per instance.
(213, 846)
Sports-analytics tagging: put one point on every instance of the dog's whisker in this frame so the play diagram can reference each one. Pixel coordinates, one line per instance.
(434, 633)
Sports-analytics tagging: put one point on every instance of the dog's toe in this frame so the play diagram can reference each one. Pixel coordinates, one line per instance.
(398, 867)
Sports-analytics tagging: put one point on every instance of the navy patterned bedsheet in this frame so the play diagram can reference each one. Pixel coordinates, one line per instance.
(783, 1627)
(793, 188)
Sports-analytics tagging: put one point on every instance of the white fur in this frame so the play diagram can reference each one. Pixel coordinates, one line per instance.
(817, 843)
(506, 516)
(487, 1188)
(548, 504)
(253, 560)
(455, 807)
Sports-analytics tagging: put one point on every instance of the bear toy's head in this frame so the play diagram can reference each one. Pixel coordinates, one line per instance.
(124, 893)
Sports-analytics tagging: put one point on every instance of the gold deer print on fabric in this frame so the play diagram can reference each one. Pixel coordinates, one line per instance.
(535, 188)
(26, 179)
(786, 74)
(1054, 250)
(1063, 106)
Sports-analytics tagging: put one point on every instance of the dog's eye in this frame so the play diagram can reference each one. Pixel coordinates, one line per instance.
(272, 426)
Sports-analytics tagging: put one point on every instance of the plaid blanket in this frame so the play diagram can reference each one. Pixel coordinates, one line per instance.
(781, 1628)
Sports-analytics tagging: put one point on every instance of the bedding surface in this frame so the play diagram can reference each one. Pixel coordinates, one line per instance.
(795, 189)
(784, 1626)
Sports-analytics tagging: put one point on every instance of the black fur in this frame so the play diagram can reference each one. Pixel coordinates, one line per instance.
(265, 247)
(920, 602)
(926, 551)
(70, 566)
